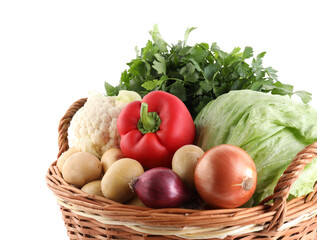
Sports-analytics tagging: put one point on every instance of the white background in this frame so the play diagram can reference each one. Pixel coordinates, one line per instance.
(54, 52)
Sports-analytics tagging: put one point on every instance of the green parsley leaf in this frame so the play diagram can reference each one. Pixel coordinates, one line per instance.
(248, 52)
(205, 86)
(210, 70)
(235, 51)
(306, 97)
(271, 73)
(179, 91)
(160, 65)
(158, 39)
(150, 85)
(111, 90)
(200, 73)
(187, 32)
(243, 69)
(282, 89)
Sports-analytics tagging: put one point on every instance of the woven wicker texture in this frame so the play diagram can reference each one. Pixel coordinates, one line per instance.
(92, 217)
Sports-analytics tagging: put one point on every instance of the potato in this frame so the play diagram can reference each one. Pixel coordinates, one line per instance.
(93, 188)
(109, 157)
(136, 202)
(184, 162)
(81, 168)
(115, 182)
(61, 160)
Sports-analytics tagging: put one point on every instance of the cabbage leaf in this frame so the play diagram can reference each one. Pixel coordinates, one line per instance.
(272, 129)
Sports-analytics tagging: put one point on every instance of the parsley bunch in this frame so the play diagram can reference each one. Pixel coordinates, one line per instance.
(198, 74)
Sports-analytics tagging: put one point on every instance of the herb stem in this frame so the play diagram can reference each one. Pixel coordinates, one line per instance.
(175, 79)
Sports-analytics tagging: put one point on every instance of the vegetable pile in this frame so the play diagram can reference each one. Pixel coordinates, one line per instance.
(190, 127)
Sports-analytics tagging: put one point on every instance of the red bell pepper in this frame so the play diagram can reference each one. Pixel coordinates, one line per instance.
(153, 129)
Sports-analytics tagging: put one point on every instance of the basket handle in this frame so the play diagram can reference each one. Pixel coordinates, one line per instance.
(283, 186)
(64, 124)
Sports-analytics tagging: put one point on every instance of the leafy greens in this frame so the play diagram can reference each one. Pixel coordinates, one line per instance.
(272, 129)
(198, 74)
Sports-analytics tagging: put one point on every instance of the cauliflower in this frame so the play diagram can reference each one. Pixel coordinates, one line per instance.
(94, 126)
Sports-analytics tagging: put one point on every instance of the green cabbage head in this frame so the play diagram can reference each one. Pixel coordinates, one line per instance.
(272, 129)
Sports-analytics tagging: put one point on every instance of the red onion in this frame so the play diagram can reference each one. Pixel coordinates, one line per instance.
(160, 187)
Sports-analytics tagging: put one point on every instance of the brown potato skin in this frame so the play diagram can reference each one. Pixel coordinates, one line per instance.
(81, 168)
(136, 202)
(109, 157)
(184, 162)
(115, 182)
(93, 188)
(61, 160)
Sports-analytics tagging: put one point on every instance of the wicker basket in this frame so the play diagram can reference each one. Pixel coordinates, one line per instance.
(92, 217)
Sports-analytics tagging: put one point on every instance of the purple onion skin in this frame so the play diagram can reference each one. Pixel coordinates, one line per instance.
(160, 187)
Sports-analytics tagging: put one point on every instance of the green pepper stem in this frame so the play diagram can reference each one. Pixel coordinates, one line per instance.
(149, 121)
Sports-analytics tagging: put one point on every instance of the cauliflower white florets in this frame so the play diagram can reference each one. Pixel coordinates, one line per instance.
(94, 126)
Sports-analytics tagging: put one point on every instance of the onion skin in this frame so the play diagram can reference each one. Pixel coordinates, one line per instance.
(160, 187)
(225, 176)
